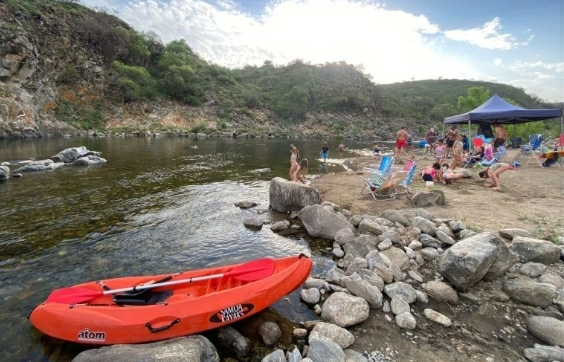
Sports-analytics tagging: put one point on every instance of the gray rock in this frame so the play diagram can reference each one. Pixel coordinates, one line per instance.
(429, 242)
(441, 292)
(324, 349)
(270, 333)
(395, 217)
(397, 257)
(399, 305)
(276, 356)
(426, 226)
(430, 254)
(361, 246)
(424, 214)
(536, 250)
(310, 296)
(287, 196)
(547, 329)
(245, 204)
(356, 265)
(371, 226)
(437, 317)
(253, 222)
(542, 353)
(553, 279)
(445, 238)
(503, 262)
(344, 236)
(466, 233)
(511, 233)
(362, 288)
(191, 349)
(337, 334)
(345, 310)
(532, 293)
(404, 290)
(426, 199)
(280, 225)
(466, 262)
(230, 337)
(322, 223)
(406, 321)
(532, 270)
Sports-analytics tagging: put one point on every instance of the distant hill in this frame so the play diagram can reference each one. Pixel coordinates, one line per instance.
(65, 68)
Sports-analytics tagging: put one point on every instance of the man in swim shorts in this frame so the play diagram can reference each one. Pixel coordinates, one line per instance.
(401, 141)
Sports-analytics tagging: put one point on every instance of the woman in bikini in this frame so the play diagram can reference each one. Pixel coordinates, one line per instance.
(294, 154)
(458, 152)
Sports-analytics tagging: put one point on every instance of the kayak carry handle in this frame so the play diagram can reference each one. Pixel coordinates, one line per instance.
(159, 329)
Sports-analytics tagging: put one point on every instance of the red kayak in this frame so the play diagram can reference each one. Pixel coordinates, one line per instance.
(151, 308)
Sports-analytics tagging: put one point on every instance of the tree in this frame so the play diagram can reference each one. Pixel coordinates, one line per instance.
(476, 96)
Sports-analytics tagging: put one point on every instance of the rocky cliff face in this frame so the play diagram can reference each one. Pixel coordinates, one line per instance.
(43, 61)
(55, 59)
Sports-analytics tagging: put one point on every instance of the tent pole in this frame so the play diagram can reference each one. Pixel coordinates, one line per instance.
(470, 143)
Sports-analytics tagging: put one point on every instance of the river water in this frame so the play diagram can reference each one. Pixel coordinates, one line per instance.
(160, 205)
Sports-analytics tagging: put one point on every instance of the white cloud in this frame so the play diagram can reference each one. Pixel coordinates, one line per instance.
(487, 37)
(393, 45)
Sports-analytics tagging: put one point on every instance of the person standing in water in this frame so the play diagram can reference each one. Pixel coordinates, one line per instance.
(294, 154)
(300, 172)
(325, 152)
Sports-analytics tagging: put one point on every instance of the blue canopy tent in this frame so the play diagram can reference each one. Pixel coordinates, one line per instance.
(497, 110)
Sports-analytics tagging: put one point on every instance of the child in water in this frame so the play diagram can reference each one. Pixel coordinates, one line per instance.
(299, 174)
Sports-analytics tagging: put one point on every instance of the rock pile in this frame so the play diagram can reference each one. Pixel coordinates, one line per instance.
(394, 261)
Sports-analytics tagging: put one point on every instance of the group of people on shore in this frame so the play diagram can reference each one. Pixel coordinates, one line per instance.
(446, 173)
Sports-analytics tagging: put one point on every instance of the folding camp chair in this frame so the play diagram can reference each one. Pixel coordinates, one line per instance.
(477, 142)
(404, 187)
(386, 190)
(532, 139)
(536, 151)
(496, 157)
(378, 175)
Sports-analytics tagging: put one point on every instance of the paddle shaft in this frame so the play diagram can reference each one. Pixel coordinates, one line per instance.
(183, 281)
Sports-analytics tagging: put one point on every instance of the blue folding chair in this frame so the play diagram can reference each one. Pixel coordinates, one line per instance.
(536, 151)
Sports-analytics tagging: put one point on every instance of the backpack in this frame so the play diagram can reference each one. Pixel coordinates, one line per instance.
(551, 160)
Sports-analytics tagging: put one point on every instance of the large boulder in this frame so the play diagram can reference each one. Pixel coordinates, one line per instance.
(466, 262)
(535, 250)
(4, 172)
(291, 196)
(319, 222)
(190, 349)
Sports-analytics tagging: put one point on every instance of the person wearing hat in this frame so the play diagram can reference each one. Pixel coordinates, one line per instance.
(431, 138)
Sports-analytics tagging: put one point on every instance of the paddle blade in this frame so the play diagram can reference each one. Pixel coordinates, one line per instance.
(73, 295)
(253, 270)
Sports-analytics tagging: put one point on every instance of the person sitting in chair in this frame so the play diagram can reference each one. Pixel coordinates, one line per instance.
(475, 156)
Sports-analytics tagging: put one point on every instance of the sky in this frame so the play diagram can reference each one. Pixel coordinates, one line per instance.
(515, 42)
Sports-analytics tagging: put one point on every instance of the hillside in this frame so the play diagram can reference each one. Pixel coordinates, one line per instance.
(66, 69)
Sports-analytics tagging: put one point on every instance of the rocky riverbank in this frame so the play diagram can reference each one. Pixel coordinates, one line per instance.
(408, 286)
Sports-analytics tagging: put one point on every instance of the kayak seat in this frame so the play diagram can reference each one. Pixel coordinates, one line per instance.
(141, 297)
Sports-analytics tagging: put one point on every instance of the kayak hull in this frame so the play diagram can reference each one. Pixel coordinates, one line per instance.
(186, 308)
